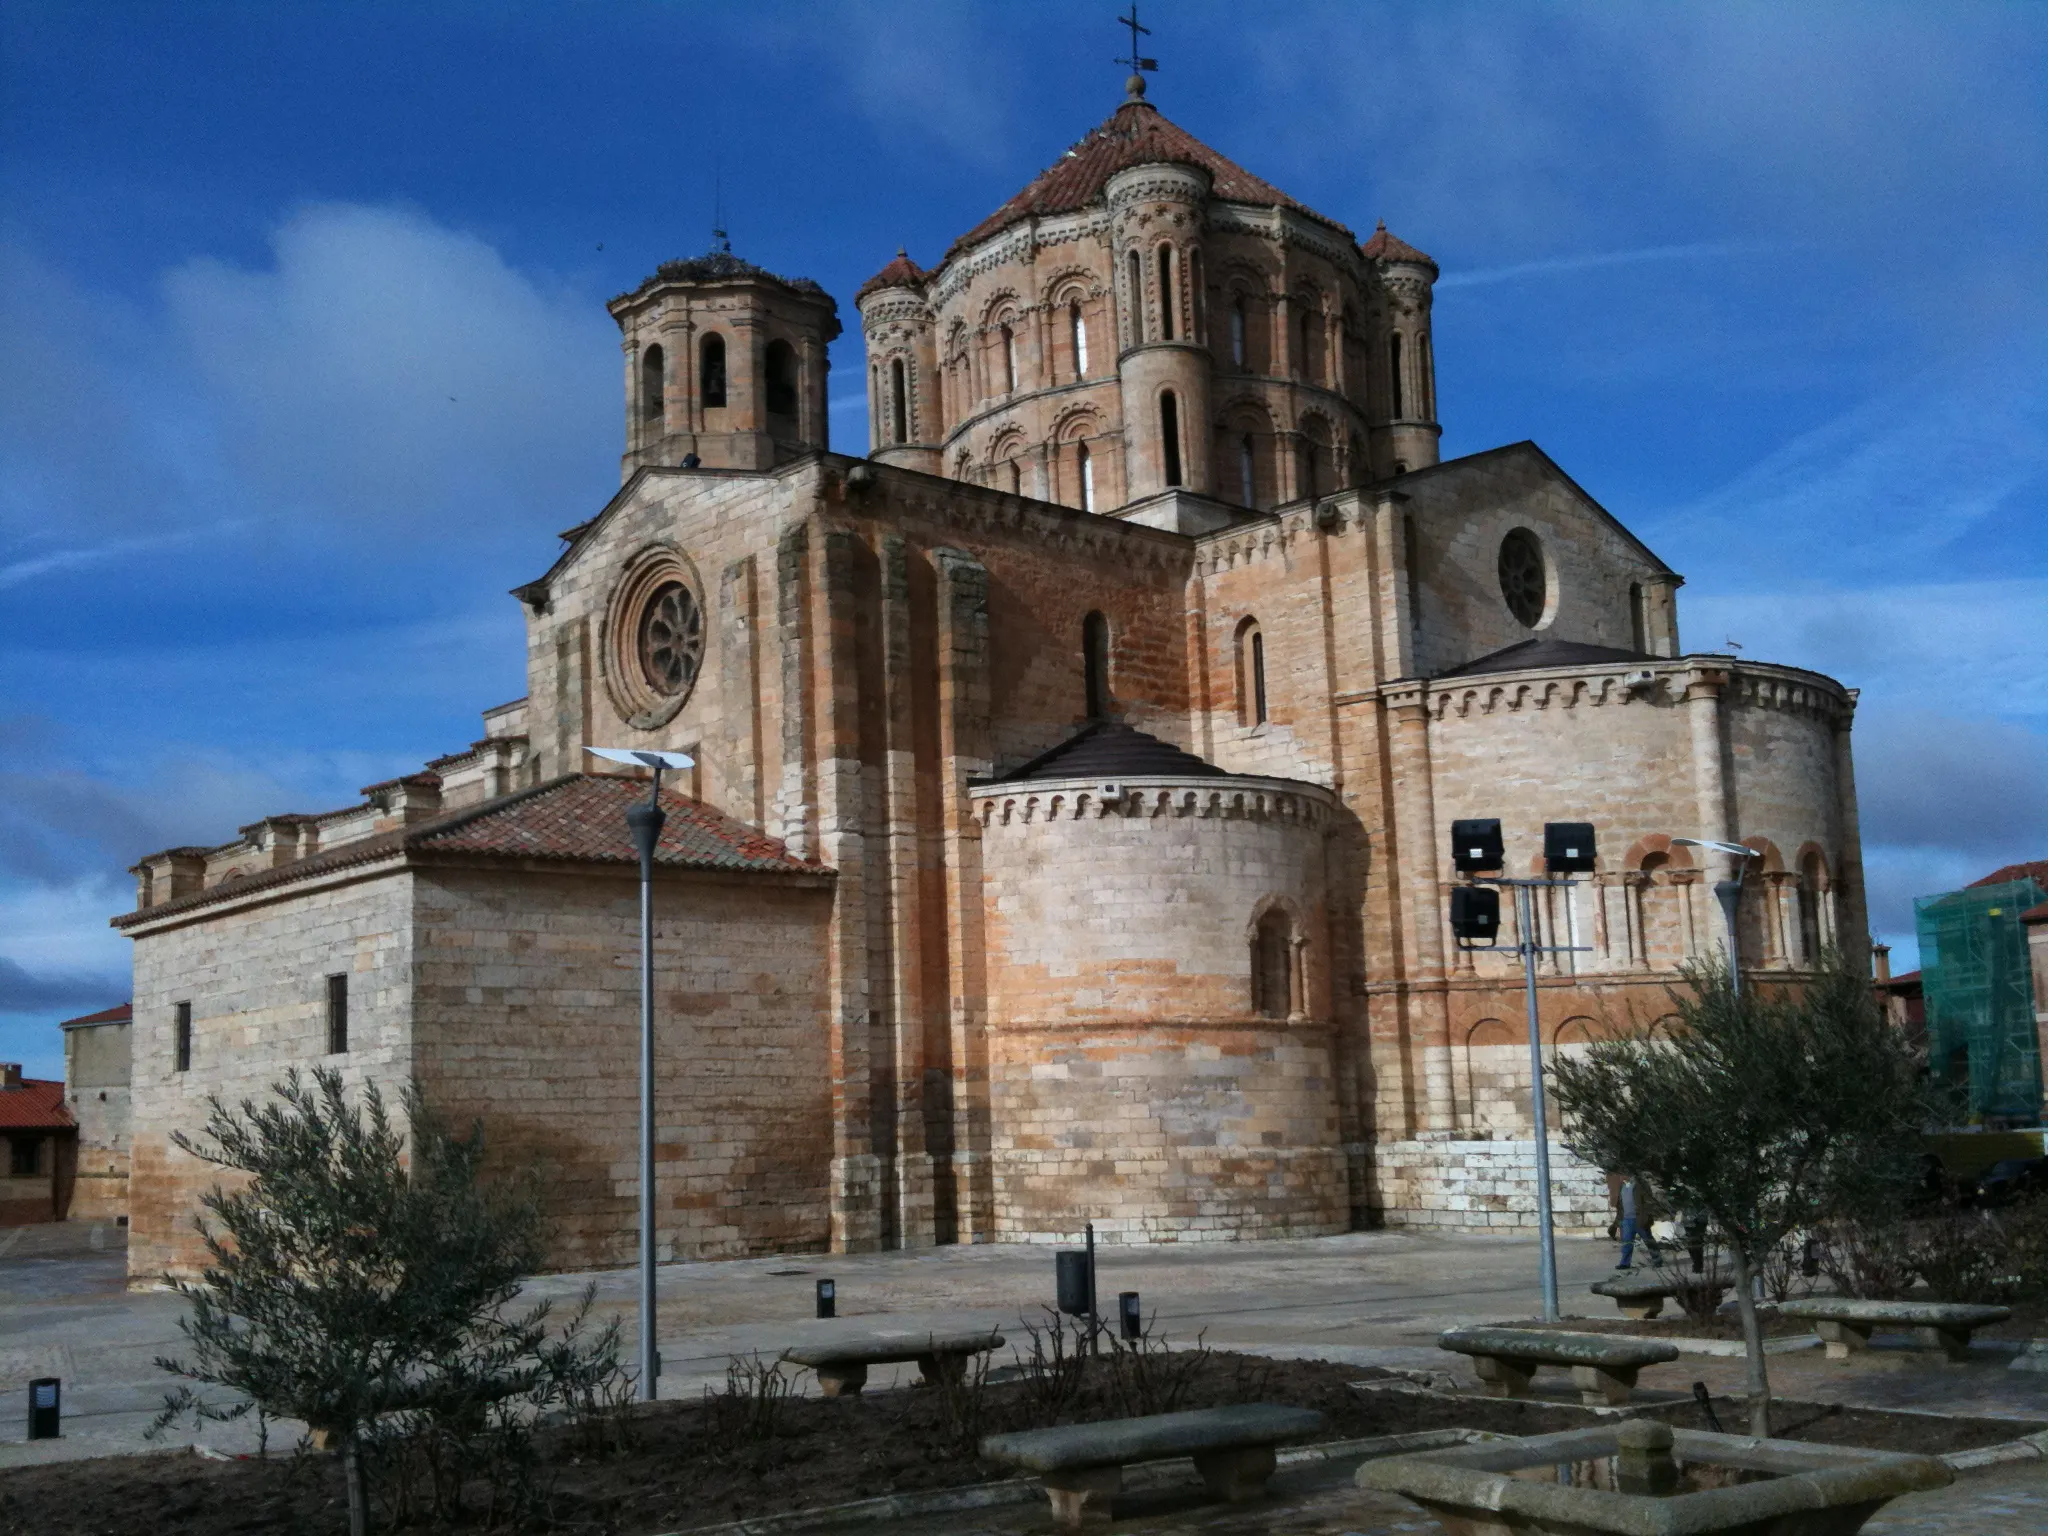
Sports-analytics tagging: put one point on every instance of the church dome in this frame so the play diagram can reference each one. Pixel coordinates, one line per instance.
(1388, 246)
(901, 272)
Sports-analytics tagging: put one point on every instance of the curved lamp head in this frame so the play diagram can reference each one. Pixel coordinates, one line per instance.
(1735, 849)
(639, 757)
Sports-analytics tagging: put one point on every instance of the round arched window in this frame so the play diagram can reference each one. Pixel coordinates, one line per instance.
(1523, 582)
(671, 639)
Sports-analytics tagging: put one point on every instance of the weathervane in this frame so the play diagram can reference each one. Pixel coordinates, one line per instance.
(1137, 63)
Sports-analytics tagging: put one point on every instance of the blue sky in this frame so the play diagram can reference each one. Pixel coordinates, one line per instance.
(303, 355)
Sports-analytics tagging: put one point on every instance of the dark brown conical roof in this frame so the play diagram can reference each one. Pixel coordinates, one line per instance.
(901, 272)
(1138, 133)
(1387, 246)
(1109, 749)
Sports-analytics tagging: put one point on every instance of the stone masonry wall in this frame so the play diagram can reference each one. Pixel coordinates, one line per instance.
(256, 974)
(527, 1015)
(1437, 1180)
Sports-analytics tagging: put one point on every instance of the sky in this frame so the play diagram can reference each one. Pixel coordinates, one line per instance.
(304, 360)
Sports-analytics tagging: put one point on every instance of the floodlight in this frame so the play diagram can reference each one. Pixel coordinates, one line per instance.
(1568, 847)
(1475, 912)
(1476, 846)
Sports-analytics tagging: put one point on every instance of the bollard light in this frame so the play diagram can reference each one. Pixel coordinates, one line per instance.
(828, 1299)
(45, 1405)
(1070, 1276)
(1132, 1317)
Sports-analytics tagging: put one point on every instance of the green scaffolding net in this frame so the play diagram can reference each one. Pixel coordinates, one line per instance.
(1981, 1038)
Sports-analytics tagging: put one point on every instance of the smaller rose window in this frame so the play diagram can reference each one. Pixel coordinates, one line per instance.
(1523, 582)
(671, 639)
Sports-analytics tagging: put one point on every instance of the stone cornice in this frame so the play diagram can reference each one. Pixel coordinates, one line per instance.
(1230, 797)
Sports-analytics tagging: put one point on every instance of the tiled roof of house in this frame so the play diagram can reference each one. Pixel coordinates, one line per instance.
(37, 1105)
(2035, 914)
(2031, 869)
(1383, 245)
(1136, 134)
(1110, 750)
(120, 1013)
(1527, 655)
(901, 272)
(579, 818)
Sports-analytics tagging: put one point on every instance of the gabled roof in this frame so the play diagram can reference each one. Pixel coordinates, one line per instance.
(1383, 246)
(2032, 869)
(37, 1105)
(1137, 133)
(577, 819)
(901, 272)
(1108, 750)
(120, 1013)
(1543, 651)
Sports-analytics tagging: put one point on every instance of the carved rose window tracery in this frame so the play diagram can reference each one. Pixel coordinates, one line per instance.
(671, 639)
(1524, 584)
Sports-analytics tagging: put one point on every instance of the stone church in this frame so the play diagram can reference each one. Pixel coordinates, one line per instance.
(1068, 835)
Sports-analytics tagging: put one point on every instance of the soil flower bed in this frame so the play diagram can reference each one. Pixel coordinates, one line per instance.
(684, 1464)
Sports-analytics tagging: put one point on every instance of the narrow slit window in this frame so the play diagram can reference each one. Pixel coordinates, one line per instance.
(1425, 361)
(1198, 312)
(1258, 678)
(181, 1048)
(1009, 359)
(1137, 290)
(1247, 467)
(1308, 331)
(337, 1015)
(1169, 436)
(1166, 304)
(1095, 664)
(1237, 333)
(1639, 629)
(1016, 478)
(1394, 375)
(782, 378)
(1077, 333)
(1087, 466)
(899, 403)
(651, 384)
(711, 372)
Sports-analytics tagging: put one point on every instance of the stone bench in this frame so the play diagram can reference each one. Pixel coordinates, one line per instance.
(1845, 1325)
(1603, 1365)
(1082, 1465)
(1643, 1296)
(842, 1365)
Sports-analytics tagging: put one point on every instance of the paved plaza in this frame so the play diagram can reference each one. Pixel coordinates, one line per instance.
(1367, 1298)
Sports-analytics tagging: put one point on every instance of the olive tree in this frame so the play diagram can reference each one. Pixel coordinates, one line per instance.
(1760, 1110)
(361, 1277)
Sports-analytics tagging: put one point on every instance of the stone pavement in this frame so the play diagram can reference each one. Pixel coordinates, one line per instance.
(1366, 1298)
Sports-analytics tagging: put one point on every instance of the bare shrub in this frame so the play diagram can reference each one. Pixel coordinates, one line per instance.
(1148, 1375)
(750, 1405)
(963, 1400)
(1052, 1374)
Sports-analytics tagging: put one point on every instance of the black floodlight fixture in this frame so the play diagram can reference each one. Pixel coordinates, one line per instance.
(1475, 913)
(1568, 847)
(1476, 846)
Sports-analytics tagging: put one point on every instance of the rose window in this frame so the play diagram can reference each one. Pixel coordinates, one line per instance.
(1523, 581)
(671, 639)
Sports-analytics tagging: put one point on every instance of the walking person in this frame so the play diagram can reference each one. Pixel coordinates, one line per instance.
(1633, 1220)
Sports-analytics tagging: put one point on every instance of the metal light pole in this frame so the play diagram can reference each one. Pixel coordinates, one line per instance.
(644, 823)
(1525, 935)
(1729, 894)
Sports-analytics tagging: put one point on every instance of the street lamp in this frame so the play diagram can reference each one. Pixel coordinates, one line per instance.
(1475, 915)
(644, 822)
(1729, 894)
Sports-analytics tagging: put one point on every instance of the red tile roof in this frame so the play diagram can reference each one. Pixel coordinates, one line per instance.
(1384, 246)
(2035, 914)
(1137, 134)
(579, 818)
(901, 272)
(37, 1105)
(120, 1013)
(2034, 869)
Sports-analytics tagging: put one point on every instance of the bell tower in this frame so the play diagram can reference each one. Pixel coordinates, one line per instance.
(725, 361)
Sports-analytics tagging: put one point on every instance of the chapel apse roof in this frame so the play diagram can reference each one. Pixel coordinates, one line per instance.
(1543, 651)
(577, 819)
(1137, 133)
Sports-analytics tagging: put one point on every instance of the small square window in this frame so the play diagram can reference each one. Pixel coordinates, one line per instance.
(337, 1015)
(183, 1048)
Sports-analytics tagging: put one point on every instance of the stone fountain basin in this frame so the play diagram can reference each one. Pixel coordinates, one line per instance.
(1773, 1487)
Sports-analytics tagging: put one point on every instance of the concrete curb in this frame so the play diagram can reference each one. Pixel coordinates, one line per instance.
(1022, 1490)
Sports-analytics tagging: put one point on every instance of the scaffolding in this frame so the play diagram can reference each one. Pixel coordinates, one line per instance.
(1981, 1035)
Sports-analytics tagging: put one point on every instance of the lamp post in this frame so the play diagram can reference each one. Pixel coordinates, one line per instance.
(644, 823)
(1475, 914)
(1729, 894)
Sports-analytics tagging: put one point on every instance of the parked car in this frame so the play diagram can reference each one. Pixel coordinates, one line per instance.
(2012, 1178)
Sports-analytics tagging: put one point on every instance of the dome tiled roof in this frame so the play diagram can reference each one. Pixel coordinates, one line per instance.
(1384, 245)
(902, 272)
(1137, 134)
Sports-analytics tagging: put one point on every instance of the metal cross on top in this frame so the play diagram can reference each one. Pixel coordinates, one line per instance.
(1137, 61)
